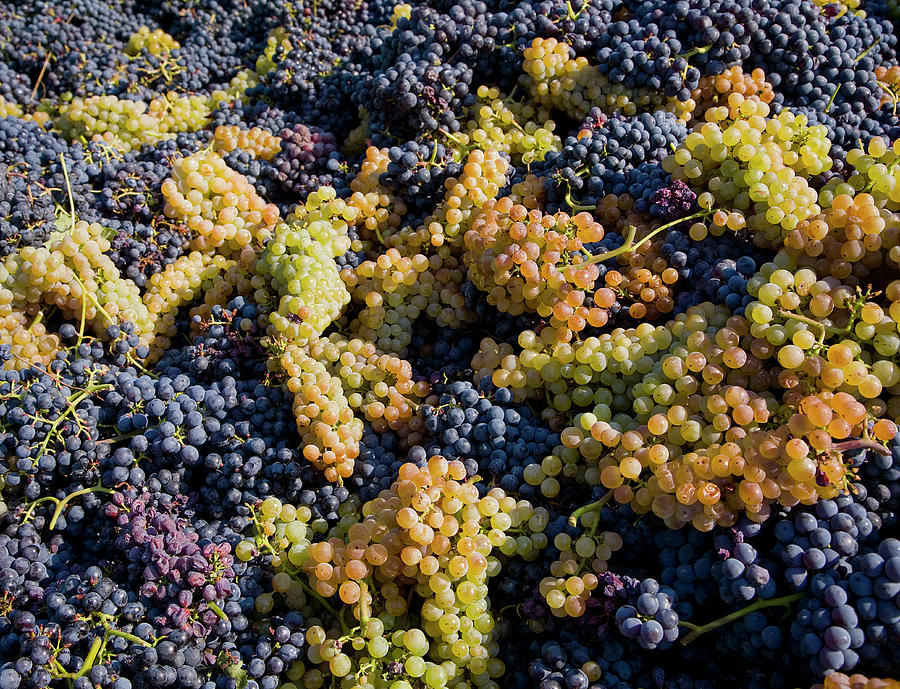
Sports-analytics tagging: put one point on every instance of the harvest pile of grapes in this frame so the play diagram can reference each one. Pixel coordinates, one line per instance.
(468, 344)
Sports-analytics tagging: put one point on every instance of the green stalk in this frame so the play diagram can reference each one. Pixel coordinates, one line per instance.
(592, 507)
(216, 609)
(72, 405)
(88, 661)
(577, 207)
(61, 505)
(32, 505)
(631, 245)
(36, 320)
(365, 609)
(125, 635)
(698, 630)
(831, 100)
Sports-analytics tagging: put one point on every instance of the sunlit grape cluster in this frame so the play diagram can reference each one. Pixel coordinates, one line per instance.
(556, 78)
(299, 263)
(839, 336)
(218, 204)
(755, 163)
(261, 143)
(847, 240)
(179, 283)
(127, 124)
(715, 90)
(73, 273)
(573, 575)
(328, 428)
(379, 212)
(378, 385)
(156, 42)
(531, 260)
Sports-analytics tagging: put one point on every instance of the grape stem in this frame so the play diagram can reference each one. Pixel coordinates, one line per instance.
(696, 51)
(867, 50)
(365, 609)
(216, 609)
(83, 319)
(698, 630)
(831, 100)
(96, 649)
(36, 320)
(812, 323)
(591, 507)
(860, 443)
(631, 245)
(93, 298)
(87, 392)
(125, 635)
(890, 93)
(573, 15)
(40, 78)
(577, 207)
(61, 504)
(65, 170)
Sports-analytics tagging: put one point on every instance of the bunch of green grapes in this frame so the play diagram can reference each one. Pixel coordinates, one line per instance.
(646, 404)
(852, 240)
(28, 338)
(556, 79)
(525, 537)
(379, 214)
(237, 277)
(529, 260)
(257, 141)
(831, 334)
(573, 575)
(433, 534)
(298, 264)
(379, 385)
(278, 45)
(876, 171)
(372, 651)
(180, 112)
(156, 42)
(217, 204)
(128, 124)
(281, 533)
(482, 178)
(394, 290)
(73, 272)
(236, 91)
(750, 164)
(151, 53)
(328, 428)
(569, 375)
(806, 148)
(521, 130)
